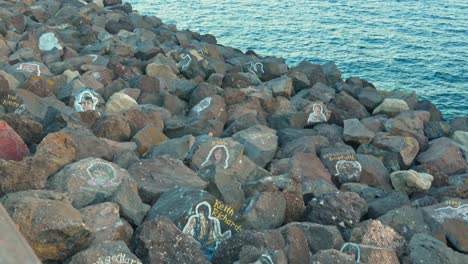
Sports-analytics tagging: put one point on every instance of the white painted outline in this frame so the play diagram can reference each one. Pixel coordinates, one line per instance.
(226, 161)
(218, 236)
(268, 258)
(91, 181)
(445, 215)
(20, 109)
(79, 97)
(202, 105)
(27, 68)
(188, 63)
(317, 117)
(94, 56)
(252, 67)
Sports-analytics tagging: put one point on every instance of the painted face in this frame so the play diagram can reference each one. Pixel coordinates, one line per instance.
(317, 109)
(218, 155)
(87, 105)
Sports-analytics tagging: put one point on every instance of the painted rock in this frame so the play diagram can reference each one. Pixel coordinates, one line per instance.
(12, 147)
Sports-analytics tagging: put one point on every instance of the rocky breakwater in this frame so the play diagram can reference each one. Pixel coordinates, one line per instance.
(125, 140)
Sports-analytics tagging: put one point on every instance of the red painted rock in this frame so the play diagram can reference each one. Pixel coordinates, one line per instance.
(12, 147)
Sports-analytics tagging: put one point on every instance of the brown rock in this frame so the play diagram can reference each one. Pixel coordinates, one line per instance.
(147, 137)
(113, 127)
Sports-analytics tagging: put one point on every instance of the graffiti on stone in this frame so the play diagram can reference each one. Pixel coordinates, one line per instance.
(11, 101)
(202, 105)
(85, 100)
(185, 62)
(31, 68)
(120, 258)
(255, 67)
(450, 212)
(348, 170)
(205, 227)
(317, 115)
(219, 154)
(102, 175)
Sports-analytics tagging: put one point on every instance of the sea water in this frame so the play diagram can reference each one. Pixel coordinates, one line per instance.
(408, 45)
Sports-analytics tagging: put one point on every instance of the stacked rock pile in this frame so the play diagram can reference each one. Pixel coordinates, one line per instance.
(125, 140)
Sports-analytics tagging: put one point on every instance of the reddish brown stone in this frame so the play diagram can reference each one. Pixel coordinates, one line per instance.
(12, 147)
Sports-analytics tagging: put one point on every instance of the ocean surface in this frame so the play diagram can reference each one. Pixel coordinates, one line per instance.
(408, 45)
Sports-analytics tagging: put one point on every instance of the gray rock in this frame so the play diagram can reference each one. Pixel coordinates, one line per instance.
(332, 256)
(332, 72)
(158, 175)
(407, 221)
(436, 129)
(370, 98)
(355, 132)
(263, 211)
(319, 237)
(289, 134)
(341, 161)
(365, 191)
(260, 143)
(177, 148)
(92, 181)
(374, 172)
(426, 249)
(391, 107)
(282, 86)
(406, 147)
(381, 206)
(306, 144)
(290, 120)
(341, 209)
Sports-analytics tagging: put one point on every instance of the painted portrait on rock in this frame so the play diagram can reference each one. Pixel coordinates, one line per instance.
(317, 115)
(218, 155)
(85, 100)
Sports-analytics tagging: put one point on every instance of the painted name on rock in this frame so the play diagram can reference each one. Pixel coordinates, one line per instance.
(85, 100)
(450, 212)
(317, 115)
(11, 101)
(121, 258)
(205, 225)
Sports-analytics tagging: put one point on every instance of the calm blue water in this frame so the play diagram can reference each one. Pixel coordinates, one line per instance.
(410, 45)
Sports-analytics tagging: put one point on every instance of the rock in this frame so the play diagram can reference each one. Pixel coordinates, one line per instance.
(332, 256)
(306, 144)
(442, 159)
(447, 222)
(289, 134)
(374, 172)
(436, 129)
(300, 81)
(409, 123)
(290, 120)
(393, 200)
(411, 181)
(260, 143)
(426, 105)
(177, 148)
(355, 132)
(240, 80)
(313, 72)
(222, 152)
(160, 71)
(263, 211)
(406, 147)
(375, 123)
(282, 86)
(160, 241)
(297, 250)
(391, 107)
(333, 132)
(374, 233)
(319, 237)
(106, 252)
(147, 137)
(341, 161)
(347, 107)
(13, 147)
(105, 224)
(370, 98)
(48, 41)
(91, 181)
(365, 191)
(343, 210)
(273, 68)
(119, 103)
(426, 249)
(407, 221)
(113, 127)
(111, 2)
(307, 166)
(158, 175)
(26, 127)
(55, 151)
(89, 145)
(48, 221)
(459, 124)
(332, 72)
(144, 115)
(40, 86)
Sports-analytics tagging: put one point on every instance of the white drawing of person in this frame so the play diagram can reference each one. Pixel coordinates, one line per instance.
(185, 57)
(255, 68)
(202, 105)
(205, 229)
(102, 174)
(317, 114)
(219, 154)
(348, 170)
(85, 101)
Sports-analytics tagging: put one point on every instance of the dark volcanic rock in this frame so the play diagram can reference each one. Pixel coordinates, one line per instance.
(343, 210)
(426, 249)
(263, 211)
(106, 252)
(380, 206)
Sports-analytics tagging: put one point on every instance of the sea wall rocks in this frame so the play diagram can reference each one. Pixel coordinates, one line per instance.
(126, 140)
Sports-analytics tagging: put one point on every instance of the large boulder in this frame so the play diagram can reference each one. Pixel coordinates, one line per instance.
(13, 147)
(106, 252)
(407, 221)
(391, 107)
(263, 211)
(342, 163)
(426, 249)
(48, 221)
(92, 181)
(341, 209)
(411, 181)
(157, 175)
(260, 143)
(405, 147)
(355, 132)
(382, 205)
